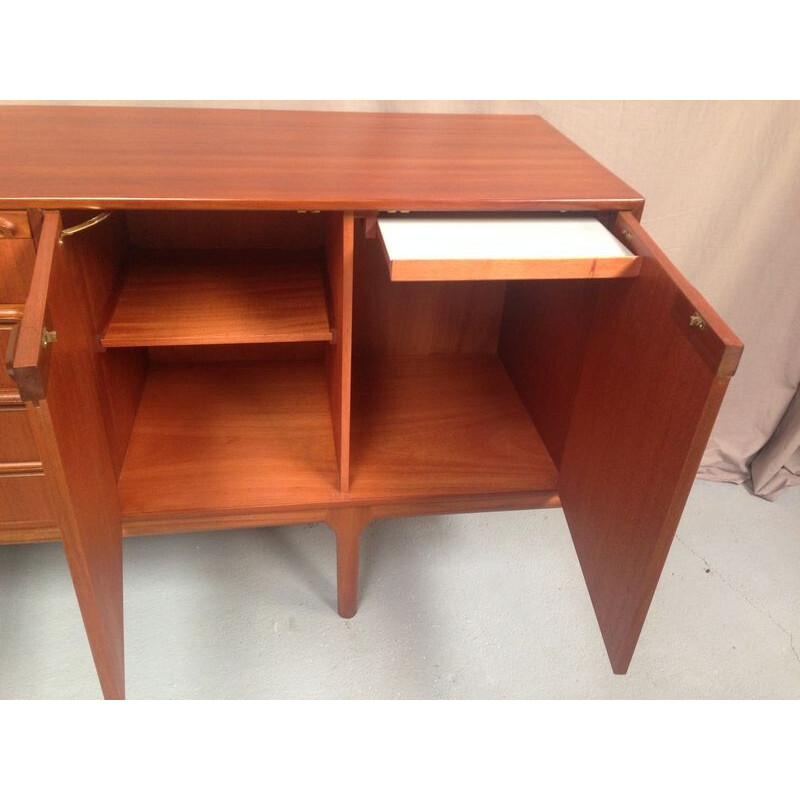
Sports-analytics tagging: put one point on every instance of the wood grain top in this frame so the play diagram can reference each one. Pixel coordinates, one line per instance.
(64, 157)
(219, 297)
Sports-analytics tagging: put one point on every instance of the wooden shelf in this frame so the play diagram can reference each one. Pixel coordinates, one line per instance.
(219, 297)
(230, 437)
(430, 426)
(508, 247)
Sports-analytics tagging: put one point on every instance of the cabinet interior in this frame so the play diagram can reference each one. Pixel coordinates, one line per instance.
(225, 364)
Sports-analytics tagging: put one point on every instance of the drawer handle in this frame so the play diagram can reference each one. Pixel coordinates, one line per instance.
(48, 337)
(10, 315)
(21, 469)
(7, 228)
(90, 223)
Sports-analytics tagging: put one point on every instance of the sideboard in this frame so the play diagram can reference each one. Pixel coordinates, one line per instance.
(217, 319)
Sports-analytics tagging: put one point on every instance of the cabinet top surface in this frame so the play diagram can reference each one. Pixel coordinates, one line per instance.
(68, 156)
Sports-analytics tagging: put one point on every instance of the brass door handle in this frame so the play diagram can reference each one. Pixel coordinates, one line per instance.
(90, 223)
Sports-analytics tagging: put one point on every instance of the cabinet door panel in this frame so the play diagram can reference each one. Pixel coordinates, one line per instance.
(60, 383)
(657, 364)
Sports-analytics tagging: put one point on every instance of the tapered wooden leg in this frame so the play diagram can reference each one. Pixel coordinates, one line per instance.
(348, 523)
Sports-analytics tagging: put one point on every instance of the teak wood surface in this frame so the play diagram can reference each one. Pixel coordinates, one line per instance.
(433, 426)
(230, 437)
(219, 297)
(494, 247)
(339, 241)
(641, 419)
(16, 438)
(416, 398)
(71, 157)
(70, 432)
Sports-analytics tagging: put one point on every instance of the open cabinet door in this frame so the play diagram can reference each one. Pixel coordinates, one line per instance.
(54, 368)
(657, 364)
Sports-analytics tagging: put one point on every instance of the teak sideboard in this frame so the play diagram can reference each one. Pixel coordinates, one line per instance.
(218, 319)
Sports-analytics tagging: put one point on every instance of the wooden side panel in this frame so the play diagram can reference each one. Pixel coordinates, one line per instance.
(651, 386)
(542, 344)
(99, 257)
(340, 235)
(70, 432)
(440, 318)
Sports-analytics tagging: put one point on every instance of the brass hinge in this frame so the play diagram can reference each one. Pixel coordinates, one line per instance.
(696, 321)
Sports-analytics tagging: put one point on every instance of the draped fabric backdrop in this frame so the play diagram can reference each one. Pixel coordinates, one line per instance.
(722, 187)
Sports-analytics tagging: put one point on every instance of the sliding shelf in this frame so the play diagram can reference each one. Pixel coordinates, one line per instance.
(509, 247)
(219, 297)
(437, 426)
(230, 437)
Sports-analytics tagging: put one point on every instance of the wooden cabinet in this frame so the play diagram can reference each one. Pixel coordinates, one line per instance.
(220, 319)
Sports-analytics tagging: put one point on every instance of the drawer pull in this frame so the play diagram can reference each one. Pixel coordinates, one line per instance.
(10, 315)
(90, 223)
(48, 337)
(22, 469)
(7, 228)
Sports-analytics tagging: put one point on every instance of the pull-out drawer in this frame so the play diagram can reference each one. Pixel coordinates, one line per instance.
(25, 506)
(507, 247)
(16, 256)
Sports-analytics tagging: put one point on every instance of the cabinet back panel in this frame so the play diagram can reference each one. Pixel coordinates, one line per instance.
(421, 318)
(204, 230)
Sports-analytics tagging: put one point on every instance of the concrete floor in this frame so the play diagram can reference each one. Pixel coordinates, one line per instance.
(468, 606)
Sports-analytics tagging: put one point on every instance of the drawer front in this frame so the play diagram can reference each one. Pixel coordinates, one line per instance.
(6, 381)
(17, 255)
(16, 269)
(26, 510)
(502, 247)
(25, 501)
(14, 225)
(16, 439)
